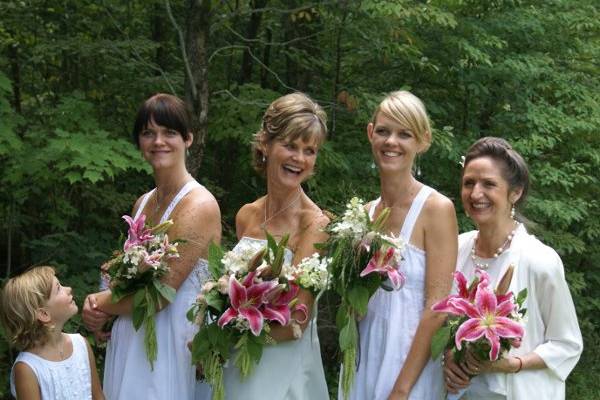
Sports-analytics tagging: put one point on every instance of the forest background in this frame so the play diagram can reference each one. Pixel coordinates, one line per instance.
(73, 72)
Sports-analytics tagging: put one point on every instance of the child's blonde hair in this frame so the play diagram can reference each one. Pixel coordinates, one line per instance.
(20, 301)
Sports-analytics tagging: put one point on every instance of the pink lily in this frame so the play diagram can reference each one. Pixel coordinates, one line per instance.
(279, 305)
(153, 260)
(487, 318)
(137, 234)
(245, 299)
(465, 291)
(383, 263)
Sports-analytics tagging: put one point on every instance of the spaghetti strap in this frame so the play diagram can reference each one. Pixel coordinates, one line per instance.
(373, 206)
(414, 211)
(180, 195)
(143, 203)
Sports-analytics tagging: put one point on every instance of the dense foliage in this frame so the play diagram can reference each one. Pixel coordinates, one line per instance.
(72, 73)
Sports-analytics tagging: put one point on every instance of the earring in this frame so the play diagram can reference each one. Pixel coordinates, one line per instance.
(373, 166)
(512, 211)
(187, 152)
(264, 159)
(416, 167)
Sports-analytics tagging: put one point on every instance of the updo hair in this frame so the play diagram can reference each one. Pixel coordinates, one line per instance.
(408, 110)
(513, 167)
(21, 298)
(288, 118)
(165, 110)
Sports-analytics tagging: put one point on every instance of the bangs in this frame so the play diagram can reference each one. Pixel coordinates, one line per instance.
(307, 127)
(164, 110)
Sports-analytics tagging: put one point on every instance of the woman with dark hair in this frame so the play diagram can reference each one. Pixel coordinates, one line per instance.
(285, 151)
(162, 133)
(494, 185)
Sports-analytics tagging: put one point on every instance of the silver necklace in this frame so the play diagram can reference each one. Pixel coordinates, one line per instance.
(157, 207)
(499, 251)
(263, 225)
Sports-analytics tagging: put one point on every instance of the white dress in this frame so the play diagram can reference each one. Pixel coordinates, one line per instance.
(291, 370)
(69, 379)
(127, 373)
(551, 328)
(387, 331)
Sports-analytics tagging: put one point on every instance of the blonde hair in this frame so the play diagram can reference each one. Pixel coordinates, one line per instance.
(21, 298)
(409, 111)
(289, 117)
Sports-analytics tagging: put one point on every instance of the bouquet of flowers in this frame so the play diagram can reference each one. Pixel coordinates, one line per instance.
(251, 289)
(137, 269)
(363, 259)
(490, 322)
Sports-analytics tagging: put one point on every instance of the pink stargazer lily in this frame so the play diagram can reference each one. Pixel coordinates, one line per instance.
(383, 263)
(246, 299)
(486, 318)
(465, 291)
(277, 307)
(137, 234)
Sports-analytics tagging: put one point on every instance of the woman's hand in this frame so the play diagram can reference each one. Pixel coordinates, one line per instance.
(455, 378)
(93, 318)
(473, 366)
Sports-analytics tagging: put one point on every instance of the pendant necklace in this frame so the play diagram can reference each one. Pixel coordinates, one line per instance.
(263, 225)
(484, 266)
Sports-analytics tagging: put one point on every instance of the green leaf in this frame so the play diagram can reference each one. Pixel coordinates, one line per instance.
(166, 291)
(439, 341)
(358, 297)
(348, 335)
(521, 297)
(214, 299)
(139, 308)
(215, 265)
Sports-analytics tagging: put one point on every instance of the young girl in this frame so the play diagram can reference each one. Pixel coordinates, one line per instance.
(34, 307)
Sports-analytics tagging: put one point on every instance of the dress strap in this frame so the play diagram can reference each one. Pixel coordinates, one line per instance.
(414, 211)
(182, 192)
(373, 206)
(143, 203)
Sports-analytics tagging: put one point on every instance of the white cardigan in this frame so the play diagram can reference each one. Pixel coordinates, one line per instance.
(551, 328)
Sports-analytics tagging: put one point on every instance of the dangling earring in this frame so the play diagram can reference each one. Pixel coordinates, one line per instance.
(264, 158)
(187, 152)
(512, 212)
(467, 214)
(416, 167)
(373, 165)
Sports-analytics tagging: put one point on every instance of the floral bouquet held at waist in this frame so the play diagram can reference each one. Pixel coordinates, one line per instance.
(490, 322)
(137, 270)
(249, 291)
(363, 259)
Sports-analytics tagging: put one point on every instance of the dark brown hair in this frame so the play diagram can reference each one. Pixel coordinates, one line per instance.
(165, 110)
(513, 166)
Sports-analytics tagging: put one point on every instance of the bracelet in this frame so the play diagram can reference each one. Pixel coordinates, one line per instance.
(520, 364)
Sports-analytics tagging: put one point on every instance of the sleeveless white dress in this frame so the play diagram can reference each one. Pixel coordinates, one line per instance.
(291, 370)
(387, 331)
(69, 379)
(127, 373)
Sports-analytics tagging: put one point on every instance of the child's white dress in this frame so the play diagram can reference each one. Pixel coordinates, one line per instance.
(69, 379)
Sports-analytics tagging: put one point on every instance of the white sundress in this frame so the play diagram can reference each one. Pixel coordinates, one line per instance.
(387, 331)
(291, 370)
(69, 379)
(127, 373)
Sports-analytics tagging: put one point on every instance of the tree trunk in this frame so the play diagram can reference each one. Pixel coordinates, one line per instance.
(15, 70)
(197, 32)
(251, 34)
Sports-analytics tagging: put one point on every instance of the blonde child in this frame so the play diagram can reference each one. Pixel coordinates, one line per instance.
(34, 307)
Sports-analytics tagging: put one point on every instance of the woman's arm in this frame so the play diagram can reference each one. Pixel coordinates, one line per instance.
(197, 220)
(306, 247)
(26, 383)
(97, 393)
(441, 247)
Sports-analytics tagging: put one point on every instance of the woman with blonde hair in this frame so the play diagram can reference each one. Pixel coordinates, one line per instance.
(395, 335)
(285, 151)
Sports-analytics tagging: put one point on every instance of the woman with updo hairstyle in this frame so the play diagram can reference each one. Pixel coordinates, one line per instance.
(495, 181)
(395, 335)
(163, 134)
(285, 151)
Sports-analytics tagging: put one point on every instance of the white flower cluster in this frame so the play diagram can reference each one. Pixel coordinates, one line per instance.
(310, 273)
(236, 262)
(354, 221)
(153, 254)
(398, 243)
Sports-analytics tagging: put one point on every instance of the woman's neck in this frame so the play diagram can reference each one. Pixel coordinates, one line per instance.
(493, 236)
(171, 180)
(397, 189)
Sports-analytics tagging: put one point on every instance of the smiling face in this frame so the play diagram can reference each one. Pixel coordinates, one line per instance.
(290, 162)
(61, 305)
(163, 147)
(394, 146)
(485, 193)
